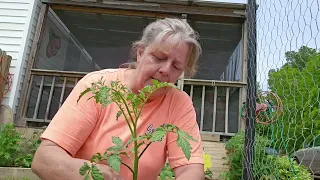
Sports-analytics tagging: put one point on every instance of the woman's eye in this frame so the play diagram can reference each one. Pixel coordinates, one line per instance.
(159, 58)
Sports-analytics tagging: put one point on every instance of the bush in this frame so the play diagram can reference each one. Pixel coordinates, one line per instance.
(265, 166)
(15, 150)
(9, 144)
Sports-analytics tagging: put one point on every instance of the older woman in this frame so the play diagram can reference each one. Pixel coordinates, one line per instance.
(167, 48)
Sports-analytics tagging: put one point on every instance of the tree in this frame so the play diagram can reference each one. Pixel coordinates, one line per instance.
(297, 83)
(299, 59)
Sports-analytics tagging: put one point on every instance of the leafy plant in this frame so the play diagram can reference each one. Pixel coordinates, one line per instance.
(9, 144)
(15, 149)
(130, 105)
(297, 84)
(29, 147)
(166, 172)
(265, 167)
(287, 168)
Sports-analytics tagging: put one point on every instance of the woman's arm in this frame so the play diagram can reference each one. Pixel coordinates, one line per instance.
(189, 172)
(51, 162)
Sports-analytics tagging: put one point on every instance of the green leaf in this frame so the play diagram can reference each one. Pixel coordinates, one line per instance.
(117, 141)
(119, 114)
(155, 82)
(114, 162)
(83, 93)
(86, 177)
(96, 174)
(185, 146)
(142, 95)
(115, 148)
(158, 135)
(185, 135)
(84, 169)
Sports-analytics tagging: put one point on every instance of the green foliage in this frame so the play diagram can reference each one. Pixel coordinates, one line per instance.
(166, 172)
(299, 59)
(297, 84)
(265, 166)
(10, 141)
(289, 169)
(29, 148)
(130, 105)
(15, 150)
(235, 151)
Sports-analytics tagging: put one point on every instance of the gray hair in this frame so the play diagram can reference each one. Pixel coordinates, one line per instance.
(178, 31)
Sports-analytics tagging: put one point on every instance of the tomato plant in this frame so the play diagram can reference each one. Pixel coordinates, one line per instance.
(130, 105)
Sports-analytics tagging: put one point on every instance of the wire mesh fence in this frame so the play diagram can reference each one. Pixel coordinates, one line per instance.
(282, 112)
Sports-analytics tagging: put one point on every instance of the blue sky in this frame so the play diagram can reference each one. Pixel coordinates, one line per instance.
(283, 25)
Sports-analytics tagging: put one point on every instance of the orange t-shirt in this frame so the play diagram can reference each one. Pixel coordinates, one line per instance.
(85, 128)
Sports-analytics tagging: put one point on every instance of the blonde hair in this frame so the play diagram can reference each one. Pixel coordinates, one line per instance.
(175, 31)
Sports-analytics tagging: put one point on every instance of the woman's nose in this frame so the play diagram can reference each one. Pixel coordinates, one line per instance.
(165, 69)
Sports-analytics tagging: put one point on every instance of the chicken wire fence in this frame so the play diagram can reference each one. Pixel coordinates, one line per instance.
(282, 134)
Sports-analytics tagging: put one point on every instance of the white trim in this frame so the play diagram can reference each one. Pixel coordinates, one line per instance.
(17, 79)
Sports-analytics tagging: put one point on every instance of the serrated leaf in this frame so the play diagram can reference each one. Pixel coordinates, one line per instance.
(117, 141)
(84, 169)
(142, 95)
(86, 177)
(158, 135)
(114, 162)
(115, 148)
(155, 82)
(119, 114)
(83, 93)
(185, 146)
(186, 135)
(96, 174)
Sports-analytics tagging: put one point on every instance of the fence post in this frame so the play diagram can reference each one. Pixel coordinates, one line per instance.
(248, 158)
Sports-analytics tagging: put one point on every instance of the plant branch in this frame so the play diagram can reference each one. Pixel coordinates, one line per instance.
(127, 166)
(125, 104)
(125, 116)
(144, 150)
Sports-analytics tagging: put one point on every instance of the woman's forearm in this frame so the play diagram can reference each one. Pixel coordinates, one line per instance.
(53, 163)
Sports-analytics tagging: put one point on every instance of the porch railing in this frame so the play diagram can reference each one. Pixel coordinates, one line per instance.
(217, 103)
(47, 90)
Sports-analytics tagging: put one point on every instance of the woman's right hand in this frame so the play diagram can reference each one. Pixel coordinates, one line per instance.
(62, 166)
(108, 173)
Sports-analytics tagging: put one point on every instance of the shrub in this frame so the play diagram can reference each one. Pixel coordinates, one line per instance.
(10, 141)
(265, 167)
(15, 150)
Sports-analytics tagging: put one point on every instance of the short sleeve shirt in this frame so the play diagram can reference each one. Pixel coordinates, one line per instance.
(86, 128)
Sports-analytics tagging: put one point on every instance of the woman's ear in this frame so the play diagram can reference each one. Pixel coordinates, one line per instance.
(139, 54)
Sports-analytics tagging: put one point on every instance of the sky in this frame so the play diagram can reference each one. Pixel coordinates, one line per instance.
(283, 25)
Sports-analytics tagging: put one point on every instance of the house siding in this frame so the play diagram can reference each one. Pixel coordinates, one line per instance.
(18, 20)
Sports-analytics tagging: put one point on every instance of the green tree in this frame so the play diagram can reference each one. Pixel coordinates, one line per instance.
(297, 84)
(300, 59)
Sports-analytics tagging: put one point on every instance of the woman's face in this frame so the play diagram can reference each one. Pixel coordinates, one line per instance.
(164, 63)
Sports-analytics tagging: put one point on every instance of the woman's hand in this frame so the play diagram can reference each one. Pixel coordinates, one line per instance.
(51, 162)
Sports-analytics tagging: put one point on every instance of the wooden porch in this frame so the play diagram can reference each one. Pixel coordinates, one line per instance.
(47, 90)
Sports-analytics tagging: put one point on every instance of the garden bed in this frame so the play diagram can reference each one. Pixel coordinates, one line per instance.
(16, 173)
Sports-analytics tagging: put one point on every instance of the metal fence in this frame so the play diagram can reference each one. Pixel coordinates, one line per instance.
(282, 111)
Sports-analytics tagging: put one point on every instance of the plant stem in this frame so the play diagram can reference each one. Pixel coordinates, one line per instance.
(144, 150)
(125, 117)
(127, 166)
(125, 104)
(136, 158)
